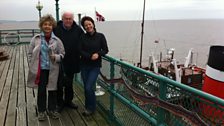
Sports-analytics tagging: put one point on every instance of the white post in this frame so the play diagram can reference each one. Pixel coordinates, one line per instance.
(188, 58)
(177, 71)
(99, 91)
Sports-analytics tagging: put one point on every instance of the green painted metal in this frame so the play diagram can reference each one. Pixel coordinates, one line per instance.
(135, 108)
(189, 98)
(112, 88)
(172, 82)
(126, 107)
(128, 112)
(111, 117)
(57, 10)
(0, 37)
(25, 35)
(162, 95)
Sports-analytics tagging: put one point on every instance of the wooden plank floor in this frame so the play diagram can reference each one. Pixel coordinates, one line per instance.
(18, 103)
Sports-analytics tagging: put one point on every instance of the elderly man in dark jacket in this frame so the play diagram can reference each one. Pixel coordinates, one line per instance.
(69, 32)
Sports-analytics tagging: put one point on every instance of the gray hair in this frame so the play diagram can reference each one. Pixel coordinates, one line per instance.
(47, 17)
(67, 12)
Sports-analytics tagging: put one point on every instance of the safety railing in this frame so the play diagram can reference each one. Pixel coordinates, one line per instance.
(134, 96)
(17, 36)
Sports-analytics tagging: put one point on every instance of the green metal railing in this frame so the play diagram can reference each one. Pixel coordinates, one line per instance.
(134, 96)
(17, 35)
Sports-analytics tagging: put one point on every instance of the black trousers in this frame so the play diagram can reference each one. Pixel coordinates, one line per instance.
(42, 94)
(65, 91)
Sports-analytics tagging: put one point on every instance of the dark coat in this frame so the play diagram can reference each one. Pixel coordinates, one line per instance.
(71, 40)
(90, 44)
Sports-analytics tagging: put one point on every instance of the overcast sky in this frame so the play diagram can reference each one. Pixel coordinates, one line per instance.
(115, 9)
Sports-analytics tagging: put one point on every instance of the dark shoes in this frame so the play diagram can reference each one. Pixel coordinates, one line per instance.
(53, 114)
(42, 116)
(71, 105)
(60, 108)
(87, 113)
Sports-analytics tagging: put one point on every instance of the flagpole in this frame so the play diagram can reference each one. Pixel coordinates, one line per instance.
(95, 14)
(142, 32)
(79, 18)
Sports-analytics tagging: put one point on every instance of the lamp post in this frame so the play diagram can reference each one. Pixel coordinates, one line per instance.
(57, 10)
(39, 8)
(79, 17)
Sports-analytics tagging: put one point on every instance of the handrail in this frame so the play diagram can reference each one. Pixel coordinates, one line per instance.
(24, 35)
(162, 78)
(175, 109)
(146, 98)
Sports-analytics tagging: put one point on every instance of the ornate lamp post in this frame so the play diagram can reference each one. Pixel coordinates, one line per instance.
(39, 8)
(57, 10)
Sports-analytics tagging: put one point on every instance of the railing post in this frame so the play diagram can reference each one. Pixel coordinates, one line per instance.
(57, 10)
(162, 96)
(33, 32)
(18, 38)
(112, 70)
(0, 37)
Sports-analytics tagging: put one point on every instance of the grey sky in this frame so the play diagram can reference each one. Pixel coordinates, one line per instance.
(116, 9)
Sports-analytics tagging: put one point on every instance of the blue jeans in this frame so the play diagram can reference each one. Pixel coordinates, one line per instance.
(89, 77)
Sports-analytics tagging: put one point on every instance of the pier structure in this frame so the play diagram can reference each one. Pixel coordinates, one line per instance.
(132, 96)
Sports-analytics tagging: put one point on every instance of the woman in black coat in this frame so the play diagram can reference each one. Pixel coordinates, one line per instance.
(93, 45)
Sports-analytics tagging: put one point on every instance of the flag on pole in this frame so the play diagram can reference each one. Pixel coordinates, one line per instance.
(99, 17)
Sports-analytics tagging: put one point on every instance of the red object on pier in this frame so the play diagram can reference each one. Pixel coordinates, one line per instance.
(214, 79)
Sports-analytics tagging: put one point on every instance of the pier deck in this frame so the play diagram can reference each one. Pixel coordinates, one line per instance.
(18, 103)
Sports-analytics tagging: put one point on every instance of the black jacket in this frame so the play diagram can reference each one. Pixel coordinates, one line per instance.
(90, 44)
(71, 40)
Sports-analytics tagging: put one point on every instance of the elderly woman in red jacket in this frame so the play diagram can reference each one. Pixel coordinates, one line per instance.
(45, 52)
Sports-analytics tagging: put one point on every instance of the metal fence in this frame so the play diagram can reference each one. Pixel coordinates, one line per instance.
(17, 36)
(137, 97)
(134, 96)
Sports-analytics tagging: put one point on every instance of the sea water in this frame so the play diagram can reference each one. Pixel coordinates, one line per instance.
(124, 38)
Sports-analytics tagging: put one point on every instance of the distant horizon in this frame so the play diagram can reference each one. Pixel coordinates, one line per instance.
(3, 21)
(115, 10)
(124, 36)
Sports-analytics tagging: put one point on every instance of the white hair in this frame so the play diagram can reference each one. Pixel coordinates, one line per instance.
(67, 12)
